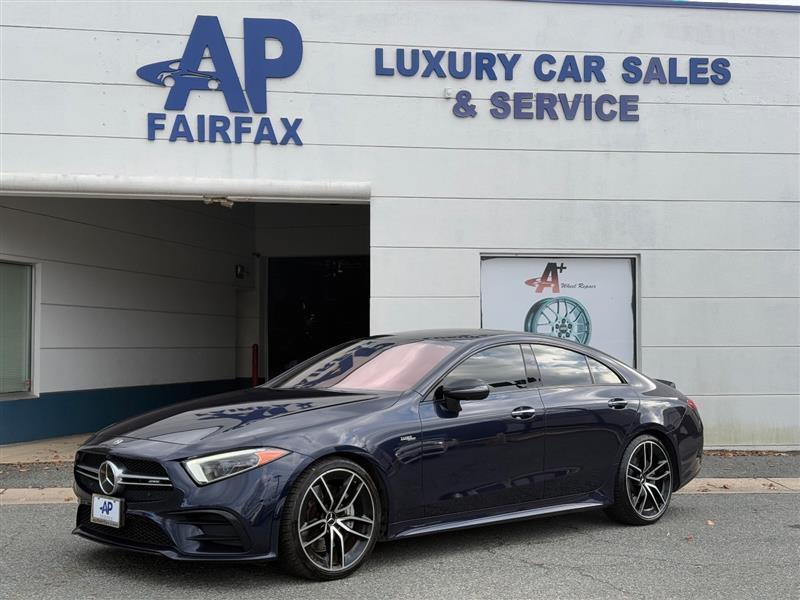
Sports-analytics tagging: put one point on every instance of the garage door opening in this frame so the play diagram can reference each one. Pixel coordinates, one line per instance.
(134, 303)
(315, 294)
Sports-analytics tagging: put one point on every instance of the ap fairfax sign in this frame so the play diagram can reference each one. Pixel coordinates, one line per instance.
(184, 75)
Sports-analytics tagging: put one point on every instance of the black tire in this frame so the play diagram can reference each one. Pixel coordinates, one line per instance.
(638, 499)
(302, 501)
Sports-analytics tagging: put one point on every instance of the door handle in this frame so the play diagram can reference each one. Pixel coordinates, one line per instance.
(617, 403)
(523, 412)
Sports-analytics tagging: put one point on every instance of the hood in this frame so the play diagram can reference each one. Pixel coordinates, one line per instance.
(241, 414)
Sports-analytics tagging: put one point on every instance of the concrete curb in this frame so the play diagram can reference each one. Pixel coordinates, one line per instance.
(37, 496)
(743, 485)
(754, 485)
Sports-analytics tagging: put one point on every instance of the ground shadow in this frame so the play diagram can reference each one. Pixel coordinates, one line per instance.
(424, 550)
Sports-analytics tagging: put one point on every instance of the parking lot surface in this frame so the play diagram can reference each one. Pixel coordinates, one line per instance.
(706, 546)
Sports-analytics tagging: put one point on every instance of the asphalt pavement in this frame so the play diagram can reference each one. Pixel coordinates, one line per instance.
(30, 475)
(707, 546)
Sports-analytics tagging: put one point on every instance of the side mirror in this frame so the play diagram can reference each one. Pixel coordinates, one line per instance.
(463, 389)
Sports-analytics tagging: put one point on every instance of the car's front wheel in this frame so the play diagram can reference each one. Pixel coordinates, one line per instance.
(643, 485)
(331, 520)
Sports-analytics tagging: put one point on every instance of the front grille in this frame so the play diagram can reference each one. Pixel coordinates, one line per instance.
(90, 459)
(141, 467)
(90, 484)
(136, 530)
(142, 480)
(129, 465)
(131, 494)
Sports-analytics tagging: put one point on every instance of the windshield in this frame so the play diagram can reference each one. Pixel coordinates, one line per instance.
(373, 365)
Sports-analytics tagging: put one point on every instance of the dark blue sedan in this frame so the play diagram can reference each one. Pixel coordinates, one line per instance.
(389, 437)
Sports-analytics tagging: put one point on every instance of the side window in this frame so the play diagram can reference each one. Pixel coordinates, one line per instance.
(601, 373)
(501, 367)
(562, 367)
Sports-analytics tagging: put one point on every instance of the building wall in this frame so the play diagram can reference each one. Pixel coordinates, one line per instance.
(721, 320)
(704, 188)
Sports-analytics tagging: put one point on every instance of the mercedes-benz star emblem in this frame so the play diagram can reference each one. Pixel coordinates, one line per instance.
(117, 441)
(109, 476)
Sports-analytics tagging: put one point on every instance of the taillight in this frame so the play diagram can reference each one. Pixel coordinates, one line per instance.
(692, 405)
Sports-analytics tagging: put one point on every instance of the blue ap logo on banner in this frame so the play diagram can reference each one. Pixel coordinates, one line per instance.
(184, 75)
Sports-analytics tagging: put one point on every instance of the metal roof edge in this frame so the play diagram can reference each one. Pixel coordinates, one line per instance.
(681, 4)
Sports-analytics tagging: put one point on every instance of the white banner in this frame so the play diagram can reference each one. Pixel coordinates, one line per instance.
(585, 300)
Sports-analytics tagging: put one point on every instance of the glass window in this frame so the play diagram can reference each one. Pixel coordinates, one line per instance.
(15, 327)
(558, 366)
(601, 373)
(373, 365)
(500, 367)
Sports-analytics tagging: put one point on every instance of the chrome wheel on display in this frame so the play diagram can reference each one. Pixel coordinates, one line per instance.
(649, 479)
(336, 523)
(561, 317)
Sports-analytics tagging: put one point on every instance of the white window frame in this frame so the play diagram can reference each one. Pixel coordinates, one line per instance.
(36, 319)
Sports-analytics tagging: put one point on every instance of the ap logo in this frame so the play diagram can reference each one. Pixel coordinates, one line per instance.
(185, 75)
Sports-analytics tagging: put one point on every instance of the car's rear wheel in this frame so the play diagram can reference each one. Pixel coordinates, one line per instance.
(643, 486)
(331, 520)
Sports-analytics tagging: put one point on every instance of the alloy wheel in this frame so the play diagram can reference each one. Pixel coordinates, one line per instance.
(337, 520)
(649, 479)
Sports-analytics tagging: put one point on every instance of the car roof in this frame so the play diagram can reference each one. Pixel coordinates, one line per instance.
(459, 336)
(455, 335)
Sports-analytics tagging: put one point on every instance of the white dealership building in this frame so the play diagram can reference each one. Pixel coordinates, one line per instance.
(182, 181)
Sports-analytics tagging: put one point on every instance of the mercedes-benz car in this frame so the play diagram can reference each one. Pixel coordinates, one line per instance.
(389, 437)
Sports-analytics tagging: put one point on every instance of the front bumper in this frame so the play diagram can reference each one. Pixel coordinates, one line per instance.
(230, 520)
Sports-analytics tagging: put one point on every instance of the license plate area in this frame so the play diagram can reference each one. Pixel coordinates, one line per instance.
(108, 511)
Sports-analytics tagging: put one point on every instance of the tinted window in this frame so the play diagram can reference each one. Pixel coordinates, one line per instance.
(372, 364)
(500, 367)
(601, 373)
(562, 367)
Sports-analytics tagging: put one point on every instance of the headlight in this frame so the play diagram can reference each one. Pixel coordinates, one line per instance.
(208, 469)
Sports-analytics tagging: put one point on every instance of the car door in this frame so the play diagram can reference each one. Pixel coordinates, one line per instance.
(589, 411)
(491, 453)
